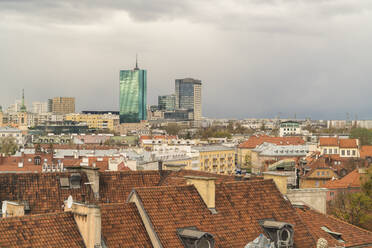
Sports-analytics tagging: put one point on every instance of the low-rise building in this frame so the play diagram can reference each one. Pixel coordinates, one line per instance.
(339, 146)
(95, 121)
(14, 133)
(217, 159)
(289, 128)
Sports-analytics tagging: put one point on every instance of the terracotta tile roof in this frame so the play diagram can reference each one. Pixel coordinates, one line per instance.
(239, 205)
(352, 235)
(115, 186)
(351, 180)
(348, 143)
(328, 141)
(42, 191)
(48, 230)
(366, 151)
(122, 226)
(255, 141)
(15, 168)
(342, 143)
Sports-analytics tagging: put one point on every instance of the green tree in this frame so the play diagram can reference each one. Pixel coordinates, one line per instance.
(354, 208)
(172, 129)
(8, 145)
(364, 135)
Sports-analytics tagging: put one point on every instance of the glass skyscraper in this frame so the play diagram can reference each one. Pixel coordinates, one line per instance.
(167, 102)
(188, 96)
(133, 93)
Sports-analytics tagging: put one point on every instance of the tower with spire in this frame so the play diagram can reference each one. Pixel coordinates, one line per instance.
(133, 95)
(23, 106)
(136, 68)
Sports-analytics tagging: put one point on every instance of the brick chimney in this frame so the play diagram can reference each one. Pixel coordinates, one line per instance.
(88, 220)
(12, 208)
(206, 188)
(93, 177)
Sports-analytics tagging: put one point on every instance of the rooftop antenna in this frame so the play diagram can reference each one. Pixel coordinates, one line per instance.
(136, 68)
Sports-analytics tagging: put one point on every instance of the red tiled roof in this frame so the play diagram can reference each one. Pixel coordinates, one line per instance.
(328, 141)
(122, 226)
(348, 143)
(115, 186)
(48, 230)
(352, 235)
(255, 141)
(42, 191)
(351, 180)
(239, 206)
(366, 151)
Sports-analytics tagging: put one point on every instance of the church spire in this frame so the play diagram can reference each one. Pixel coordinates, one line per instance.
(23, 107)
(136, 68)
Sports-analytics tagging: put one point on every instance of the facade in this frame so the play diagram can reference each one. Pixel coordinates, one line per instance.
(345, 148)
(167, 102)
(289, 128)
(217, 159)
(188, 96)
(39, 107)
(244, 153)
(105, 121)
(317, 178)
(62, 105)
(12, 132)
(133, 95)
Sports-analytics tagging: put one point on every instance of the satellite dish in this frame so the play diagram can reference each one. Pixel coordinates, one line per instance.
(3, 209)
(69, 201)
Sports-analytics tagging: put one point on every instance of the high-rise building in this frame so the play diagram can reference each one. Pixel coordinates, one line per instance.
(39, 107)
(133, 93)
(62, 105)
(167, 102)
(188, 96)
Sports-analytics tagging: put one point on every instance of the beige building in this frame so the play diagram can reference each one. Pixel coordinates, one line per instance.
(337, 146)
(63, 105)
(105, 121)
(217, 159)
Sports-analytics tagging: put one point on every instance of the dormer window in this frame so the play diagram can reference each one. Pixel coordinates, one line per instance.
(280, 233)
(191, 237)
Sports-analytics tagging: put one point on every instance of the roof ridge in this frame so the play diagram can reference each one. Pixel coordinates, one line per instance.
(13, 218)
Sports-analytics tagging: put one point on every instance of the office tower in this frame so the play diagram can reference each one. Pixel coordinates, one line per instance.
(167, 102)
(133, 93)
(188, 96)
(50, 105)
(39, 107)
(63, 105)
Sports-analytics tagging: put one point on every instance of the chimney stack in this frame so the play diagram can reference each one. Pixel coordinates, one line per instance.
(206, 188)
(12, 209)
(88, 220)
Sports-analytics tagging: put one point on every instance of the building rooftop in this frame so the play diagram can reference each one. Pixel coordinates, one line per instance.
(47, 230)
(212, 148)
(351, 180)
(255, 141)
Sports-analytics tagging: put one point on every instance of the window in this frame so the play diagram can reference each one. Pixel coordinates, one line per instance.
(318, 173)
(323, 173)
(325, 151)
(332, 193)
(348, 152)
(335, 151)
(354, 152)
(330, 151)
(343, 152)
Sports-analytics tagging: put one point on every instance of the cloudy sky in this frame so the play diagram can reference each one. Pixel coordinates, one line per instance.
(256, 58)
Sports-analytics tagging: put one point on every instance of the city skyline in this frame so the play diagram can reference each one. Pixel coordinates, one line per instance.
(305, 57)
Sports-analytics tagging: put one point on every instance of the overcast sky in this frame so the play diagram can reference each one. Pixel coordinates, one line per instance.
(256, 58)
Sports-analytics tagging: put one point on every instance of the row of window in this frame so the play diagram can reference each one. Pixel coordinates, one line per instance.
(343, 152)
(10, 135)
